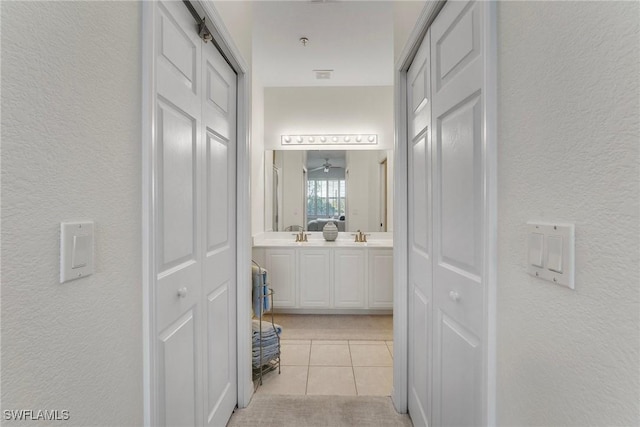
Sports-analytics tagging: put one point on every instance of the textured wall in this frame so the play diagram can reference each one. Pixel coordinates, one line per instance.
(568, 151)
(71, 150)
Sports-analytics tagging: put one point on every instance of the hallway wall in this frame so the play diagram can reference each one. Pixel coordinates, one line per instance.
(568, 151)
(71, 150)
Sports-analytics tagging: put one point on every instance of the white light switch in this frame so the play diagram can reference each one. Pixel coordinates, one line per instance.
(551, 252)
(76, 250)
(554, 253)
(536, 248)
(81, 250)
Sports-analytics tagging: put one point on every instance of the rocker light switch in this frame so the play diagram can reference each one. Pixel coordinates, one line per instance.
(81, 251)
(76, 250)
(536, 246)
(554, 253)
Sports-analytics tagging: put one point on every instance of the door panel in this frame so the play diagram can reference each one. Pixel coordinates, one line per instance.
(420, 217)
(460, 387)
(459, 200)
(177, 365)
(420, 357)
(460, 165)
(221, 93)
(420, 241)
(458, 42)
(218, 189)
(195, 185)
(177, 49)
(219, 247)
(178, 261)
(447, 200)
(218, 342)
(177, 146)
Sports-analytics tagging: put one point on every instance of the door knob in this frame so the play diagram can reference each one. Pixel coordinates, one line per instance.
(454, 296)
(182, 292)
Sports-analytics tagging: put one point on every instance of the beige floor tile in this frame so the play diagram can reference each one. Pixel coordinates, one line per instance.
(282, 342)
(389, 342)
(390, 346)
(292, 380)
(374, 381)
(370, 355)
(365, 342)
(330, 355)
(295, 354)
(329, 342)
(331, 380)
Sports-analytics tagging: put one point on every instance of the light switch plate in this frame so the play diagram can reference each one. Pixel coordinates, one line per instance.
(558, 253)
(76, 250)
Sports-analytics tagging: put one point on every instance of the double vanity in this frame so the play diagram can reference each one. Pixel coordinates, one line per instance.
(316, 276)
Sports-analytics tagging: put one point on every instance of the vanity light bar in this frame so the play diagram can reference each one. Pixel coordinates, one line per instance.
(341, 139)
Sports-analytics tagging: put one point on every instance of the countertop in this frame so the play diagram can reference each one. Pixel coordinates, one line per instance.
(344, 240)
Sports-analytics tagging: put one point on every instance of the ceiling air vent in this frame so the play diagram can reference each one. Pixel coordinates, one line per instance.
(323, 74)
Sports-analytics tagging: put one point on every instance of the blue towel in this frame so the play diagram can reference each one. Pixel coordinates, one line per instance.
(270, 342)
(260, 283)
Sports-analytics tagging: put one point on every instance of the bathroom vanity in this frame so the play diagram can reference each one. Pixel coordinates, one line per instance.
(328, 277)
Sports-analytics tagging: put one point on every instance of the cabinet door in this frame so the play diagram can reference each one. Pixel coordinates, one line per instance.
(349, 278)
(314, 277)
(281, 268)
(380, 278)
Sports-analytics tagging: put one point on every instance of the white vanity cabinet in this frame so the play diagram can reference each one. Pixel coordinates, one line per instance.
(350, 278)
(281, 265)
(314, 278)
(329, 279)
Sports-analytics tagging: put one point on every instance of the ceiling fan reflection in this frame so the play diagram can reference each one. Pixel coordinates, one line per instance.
(326, 167)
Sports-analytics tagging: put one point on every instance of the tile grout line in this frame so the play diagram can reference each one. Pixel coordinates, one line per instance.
(355, 384)
(306, 386)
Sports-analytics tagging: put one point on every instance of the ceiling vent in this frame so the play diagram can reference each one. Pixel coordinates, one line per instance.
(323, 74)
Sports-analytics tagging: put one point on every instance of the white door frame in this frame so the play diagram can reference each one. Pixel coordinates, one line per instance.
(225, 44)
(401, 209)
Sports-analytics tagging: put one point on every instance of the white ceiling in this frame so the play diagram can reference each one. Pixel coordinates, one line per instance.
(353, 38)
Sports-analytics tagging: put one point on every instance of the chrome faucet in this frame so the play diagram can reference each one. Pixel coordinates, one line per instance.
(361, 237)
(301, 236)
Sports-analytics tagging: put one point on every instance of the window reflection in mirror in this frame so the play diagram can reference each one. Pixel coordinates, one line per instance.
(305, 189)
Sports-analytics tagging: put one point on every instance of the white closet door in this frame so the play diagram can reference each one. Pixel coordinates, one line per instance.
(459, 200)
(194, 205)
(219, 241)
(420, 240)
(178, 229)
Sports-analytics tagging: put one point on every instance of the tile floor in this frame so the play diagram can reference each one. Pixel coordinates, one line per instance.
(333, 367)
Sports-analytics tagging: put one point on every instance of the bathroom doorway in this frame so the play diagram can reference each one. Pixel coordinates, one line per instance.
(323, 76)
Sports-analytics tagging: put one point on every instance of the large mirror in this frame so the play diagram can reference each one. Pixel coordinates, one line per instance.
(304, 189)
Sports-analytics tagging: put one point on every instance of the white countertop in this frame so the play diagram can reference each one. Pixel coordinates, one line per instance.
(344, 240)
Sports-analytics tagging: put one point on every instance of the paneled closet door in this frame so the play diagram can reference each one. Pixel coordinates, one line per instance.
(195, 201)
(420, 240)
(459, 200)
(219, 86)
(447, 205)
(178, 230)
